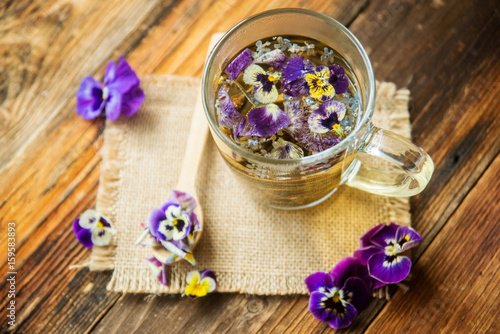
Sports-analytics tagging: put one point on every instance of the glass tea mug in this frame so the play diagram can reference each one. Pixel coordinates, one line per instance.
(304, 182)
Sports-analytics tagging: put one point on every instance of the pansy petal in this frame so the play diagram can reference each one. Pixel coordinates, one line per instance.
(188, 256)
(194, 222)
(110, 71)
(84, 236)
(186, 201)
(89, 103)
(268, 119)
(113, 105)
(389, 269)
(315, 281)
(317, 142)
(209, 284)
(244, 129)
(208, 273)
(318, 88)
(155, 217)
(239, 63)
(407, 237)
(317, 307)
(338, 79)
(298, 118)
(193, 277)
(286, 150)
(295, 88)
(358, 292)
(251, 73)
(363, 254)
(385, 235)
(132, 100)
(343, 320)
(229, 116)
(275, 56)
(348, 267)
(365, 239)
(101, 236)
(76, 226)
(122, 79)
(265, 94)
(295, 68)
(89, 219)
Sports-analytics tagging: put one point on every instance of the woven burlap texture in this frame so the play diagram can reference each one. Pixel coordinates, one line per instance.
(252, 249)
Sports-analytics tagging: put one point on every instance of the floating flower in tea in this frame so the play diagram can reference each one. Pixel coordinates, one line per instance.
(265, 90)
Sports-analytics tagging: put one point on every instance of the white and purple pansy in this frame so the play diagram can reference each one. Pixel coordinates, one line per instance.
(382, 251)
(339, 296)
(169, 222)
(92, 228)
(265, 90)
(327, 117)
(199, 284)
(268, 119)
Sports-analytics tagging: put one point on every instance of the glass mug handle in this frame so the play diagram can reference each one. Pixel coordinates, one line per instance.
(410, 171)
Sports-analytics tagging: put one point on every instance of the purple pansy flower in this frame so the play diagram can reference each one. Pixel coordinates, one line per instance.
(265, 90)
(199, 284)
(382, 249)
(172, 226)
(229, 116)
(120, 94)
(300, 130)
(339, 296)
(244, 129)
(338, 79)
(92, 228)
(268, 119)
(158, 269)
(327, 117)
(239, 63)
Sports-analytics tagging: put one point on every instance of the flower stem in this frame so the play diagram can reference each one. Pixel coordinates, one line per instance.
(243, 92)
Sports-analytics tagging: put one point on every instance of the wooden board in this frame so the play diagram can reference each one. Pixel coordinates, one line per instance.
(445, 52)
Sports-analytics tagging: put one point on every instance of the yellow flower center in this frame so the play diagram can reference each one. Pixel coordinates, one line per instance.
(100, 224)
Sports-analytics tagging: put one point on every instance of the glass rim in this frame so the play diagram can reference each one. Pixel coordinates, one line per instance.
(330, 152)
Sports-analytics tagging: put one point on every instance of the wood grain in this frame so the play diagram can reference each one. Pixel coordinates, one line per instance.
(446, 52)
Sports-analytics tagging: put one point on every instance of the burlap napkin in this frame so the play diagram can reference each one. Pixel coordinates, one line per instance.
(252, 248)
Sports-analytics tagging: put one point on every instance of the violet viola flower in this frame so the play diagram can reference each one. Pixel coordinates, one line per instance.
(92, 228)
(382, 249)
(119, 95)
(268, 119)
(265, 90)
(339, 296)
(200, 283)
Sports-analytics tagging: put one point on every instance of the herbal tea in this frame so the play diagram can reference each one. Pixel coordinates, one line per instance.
(287, 97)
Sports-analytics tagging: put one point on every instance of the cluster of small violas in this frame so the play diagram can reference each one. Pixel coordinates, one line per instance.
(170, 229)
(339, 296)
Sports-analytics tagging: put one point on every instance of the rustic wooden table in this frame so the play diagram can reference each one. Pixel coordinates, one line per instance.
(446, 52)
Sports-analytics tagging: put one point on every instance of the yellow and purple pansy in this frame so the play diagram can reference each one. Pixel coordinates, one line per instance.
(199, 284)
(319, 85)
(92, 228)
(264, 83)
(382, 250)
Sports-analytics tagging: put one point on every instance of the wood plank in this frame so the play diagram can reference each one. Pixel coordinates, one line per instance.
(456, 278)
